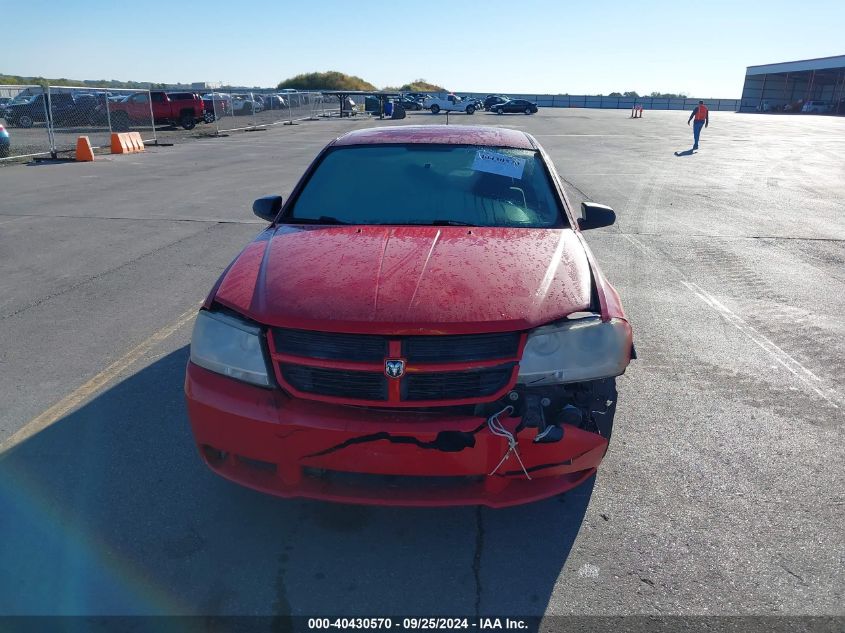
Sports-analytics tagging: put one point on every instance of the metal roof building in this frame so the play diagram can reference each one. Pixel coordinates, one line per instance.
(789, 85)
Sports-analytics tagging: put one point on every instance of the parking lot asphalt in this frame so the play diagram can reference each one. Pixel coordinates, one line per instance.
(722, 491)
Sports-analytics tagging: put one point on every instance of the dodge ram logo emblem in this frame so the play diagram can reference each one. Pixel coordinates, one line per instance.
(394, 368)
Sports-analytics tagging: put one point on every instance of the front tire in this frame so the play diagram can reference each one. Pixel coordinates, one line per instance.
(529, 111)
(25, 121)
(435, 109)
(187, 121)
(470, 110)
(499, 111)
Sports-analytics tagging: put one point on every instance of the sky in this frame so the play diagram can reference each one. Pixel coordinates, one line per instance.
(697, 47)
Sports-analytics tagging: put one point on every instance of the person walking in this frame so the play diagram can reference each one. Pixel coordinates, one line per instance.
(702, 119)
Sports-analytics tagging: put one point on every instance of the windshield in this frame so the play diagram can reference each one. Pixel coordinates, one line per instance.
(429, 184)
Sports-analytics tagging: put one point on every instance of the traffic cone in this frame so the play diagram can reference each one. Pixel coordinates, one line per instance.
(84, 153)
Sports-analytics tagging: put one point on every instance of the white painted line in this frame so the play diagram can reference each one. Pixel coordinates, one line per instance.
(798, 370)
(82, 393)
(793, 366)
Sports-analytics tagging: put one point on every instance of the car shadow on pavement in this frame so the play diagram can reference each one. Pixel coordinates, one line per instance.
(110, 511)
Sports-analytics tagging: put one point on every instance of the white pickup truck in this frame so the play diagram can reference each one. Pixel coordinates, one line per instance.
(452, 103)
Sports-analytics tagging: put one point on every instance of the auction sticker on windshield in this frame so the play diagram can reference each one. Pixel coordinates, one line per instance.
(498, 163)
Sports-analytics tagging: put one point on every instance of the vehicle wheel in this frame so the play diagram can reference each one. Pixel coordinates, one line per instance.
(208, 117)
(528, 110)
(435, 109)
(25, 121)
(470, 110)
(187, 121)
(499, 111)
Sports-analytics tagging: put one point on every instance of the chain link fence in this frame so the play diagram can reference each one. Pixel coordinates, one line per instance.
(255, 109)
(132, 111)
(25, 113)
(94, 112)
(50, 120)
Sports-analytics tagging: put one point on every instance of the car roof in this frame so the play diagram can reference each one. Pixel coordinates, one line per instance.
(439, 134)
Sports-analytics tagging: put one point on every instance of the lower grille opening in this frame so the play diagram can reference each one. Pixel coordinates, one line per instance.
(257, 464)
(214, 456)
(394, 482)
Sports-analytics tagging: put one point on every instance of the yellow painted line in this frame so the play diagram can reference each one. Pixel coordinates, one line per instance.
(82, 393)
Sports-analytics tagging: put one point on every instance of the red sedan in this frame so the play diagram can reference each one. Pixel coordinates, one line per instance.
(422, 323)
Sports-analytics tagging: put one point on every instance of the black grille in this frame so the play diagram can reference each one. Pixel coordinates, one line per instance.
(456, 385)
(464, 347)
(339, 383)
(330, 346)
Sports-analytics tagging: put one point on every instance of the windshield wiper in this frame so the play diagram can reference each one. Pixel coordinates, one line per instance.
(323, 219)
(444, 223)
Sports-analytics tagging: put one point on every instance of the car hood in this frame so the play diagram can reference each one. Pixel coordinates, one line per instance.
(396, 280)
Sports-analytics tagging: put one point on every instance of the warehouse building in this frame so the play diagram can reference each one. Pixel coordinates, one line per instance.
(817, 85)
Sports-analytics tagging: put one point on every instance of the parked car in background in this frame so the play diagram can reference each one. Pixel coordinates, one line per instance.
(515, 105)
(182, 102)
(209, 112)
(478, 103)
(242, 104)
(409, 103)
(452, 103)
(817, 107)
(274, 102)
(5, 142)
(24, 111)
(491, 100)
(178, 108)
(62, 108)
(218, 104)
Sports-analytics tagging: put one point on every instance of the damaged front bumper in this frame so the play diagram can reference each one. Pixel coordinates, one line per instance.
(288, 447)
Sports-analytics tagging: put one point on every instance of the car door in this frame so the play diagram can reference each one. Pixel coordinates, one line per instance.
(138, 106)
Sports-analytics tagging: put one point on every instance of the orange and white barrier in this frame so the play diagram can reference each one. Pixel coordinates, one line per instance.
(84, 153)
(126, 143)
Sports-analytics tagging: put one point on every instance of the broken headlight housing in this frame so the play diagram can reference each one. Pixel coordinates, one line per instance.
(576, 350)
(230, 346)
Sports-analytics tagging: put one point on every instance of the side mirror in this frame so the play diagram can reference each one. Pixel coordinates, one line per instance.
(595, 215)
(268, 207)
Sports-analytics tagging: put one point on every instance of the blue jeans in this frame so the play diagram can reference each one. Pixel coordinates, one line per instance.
(696, 132)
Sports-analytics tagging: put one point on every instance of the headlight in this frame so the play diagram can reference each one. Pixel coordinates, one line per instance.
(229, 346)
(584, 349)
